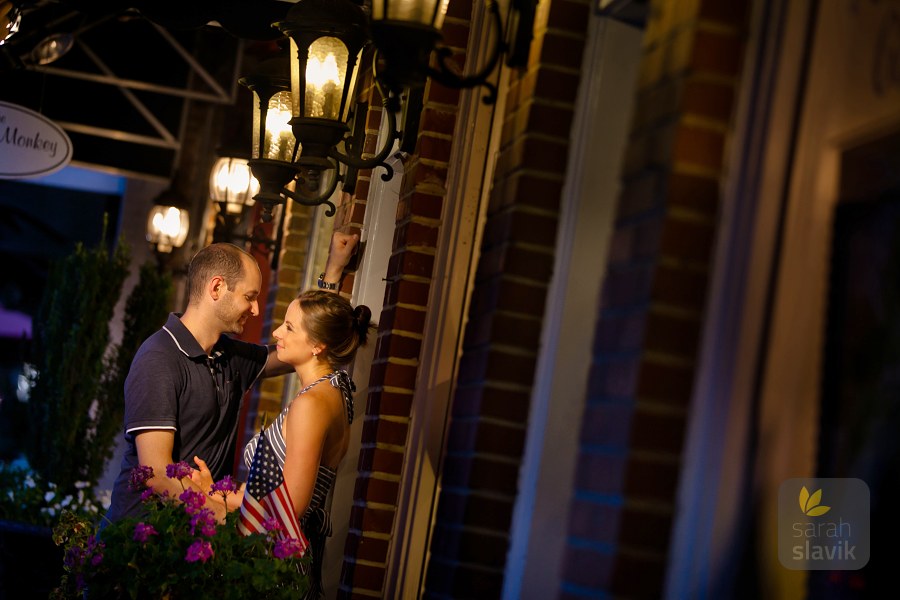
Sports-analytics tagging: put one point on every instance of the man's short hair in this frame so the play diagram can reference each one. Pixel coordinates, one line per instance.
(216, 259)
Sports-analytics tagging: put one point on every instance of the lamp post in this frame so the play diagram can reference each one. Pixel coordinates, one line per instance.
(407, 32)
(167, 225)
(326, 38)
(273, 148)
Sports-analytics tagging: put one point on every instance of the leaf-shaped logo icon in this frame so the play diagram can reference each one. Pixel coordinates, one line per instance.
(809, 503)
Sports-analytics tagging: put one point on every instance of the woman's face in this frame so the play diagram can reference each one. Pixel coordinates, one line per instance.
(293, 345)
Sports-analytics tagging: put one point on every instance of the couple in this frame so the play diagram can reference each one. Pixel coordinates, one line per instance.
(185, 385)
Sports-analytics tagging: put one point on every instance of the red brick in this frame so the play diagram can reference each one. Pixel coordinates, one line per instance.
(733, 13)
(502, 440)
(561, 50)
(407, 292)
(700, 194)
(455, 35)
(491, 402)
(569, 16)
(547, 119)
(373, 489)
(402, 376)
(593, 521)
(651, 480)
(699, 147)
(657, 432)
(382, 431)
(672, 334)
(419, 173)
(627, 286)
(401, 346)
(714, 100)
(622, 332)
(607, 423)
(477, 582)
(483, 549)
(472, 366)
(673, 383)
(434, 148)
(613, 378)
(529, 190)
(600, 473)
(370, 548)
(411, 233)
(718, 53)
(645, 530)
(588, 568)
(551, 85)
(499, 328)
(368, 577)
(687, 240)
(459, 9)
(638, 576)
(676, 286)
(377, 520)
(422, 205)
(435, 92)
(410, 262)
(512, 368)
(438, 120)
(389, 404)
(494, 476)
(380, 460)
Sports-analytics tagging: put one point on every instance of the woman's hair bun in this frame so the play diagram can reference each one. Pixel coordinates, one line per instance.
(362, 319)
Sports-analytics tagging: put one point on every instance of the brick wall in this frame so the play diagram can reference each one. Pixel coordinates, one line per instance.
(652, 308)
(490, 409)
(401, 325)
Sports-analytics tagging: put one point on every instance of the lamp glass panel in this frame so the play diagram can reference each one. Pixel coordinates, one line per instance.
(232, 184)
(326, 67)
(167, 227)
(426, 12)
(280, 139)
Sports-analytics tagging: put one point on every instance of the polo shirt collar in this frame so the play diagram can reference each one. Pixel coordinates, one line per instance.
(184, 339)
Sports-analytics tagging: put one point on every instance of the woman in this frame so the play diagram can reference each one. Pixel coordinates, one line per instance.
(294, 461)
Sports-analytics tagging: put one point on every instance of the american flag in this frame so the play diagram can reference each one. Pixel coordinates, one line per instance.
(266, 497)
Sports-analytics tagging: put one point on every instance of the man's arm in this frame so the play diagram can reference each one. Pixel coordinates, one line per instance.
(154, 449)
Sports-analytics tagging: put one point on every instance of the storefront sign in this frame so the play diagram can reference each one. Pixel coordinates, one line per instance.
(30, 144)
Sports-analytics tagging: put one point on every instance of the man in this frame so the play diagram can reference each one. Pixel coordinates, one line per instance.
(184, 388)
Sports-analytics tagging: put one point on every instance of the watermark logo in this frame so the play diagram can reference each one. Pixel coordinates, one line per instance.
(831, 529)
(809, 503)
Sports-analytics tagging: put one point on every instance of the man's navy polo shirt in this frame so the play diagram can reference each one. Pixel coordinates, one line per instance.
(174, 385)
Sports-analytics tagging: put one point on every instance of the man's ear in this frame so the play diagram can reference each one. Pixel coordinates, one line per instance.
(216, 287)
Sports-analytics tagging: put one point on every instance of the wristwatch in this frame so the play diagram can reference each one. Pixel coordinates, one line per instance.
(324, 285)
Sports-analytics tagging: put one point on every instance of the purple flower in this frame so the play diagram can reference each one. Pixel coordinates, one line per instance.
(74, 557)
(272, 524)
(193, 501)
(224, 485)
(287, 547)
(200, 550)
(179, 470)
(205, 521)
(146, 494)
(139, 477)
(142, 532)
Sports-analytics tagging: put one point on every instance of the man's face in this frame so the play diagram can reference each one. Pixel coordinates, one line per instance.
(242, 302)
